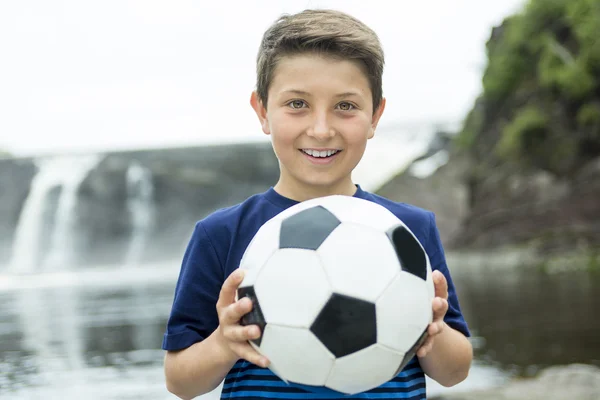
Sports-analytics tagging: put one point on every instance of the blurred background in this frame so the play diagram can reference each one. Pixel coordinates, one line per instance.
(124, 122)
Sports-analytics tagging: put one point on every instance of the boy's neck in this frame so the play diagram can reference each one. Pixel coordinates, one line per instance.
(347, 188)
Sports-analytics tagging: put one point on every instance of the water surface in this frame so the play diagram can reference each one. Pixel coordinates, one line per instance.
(96, 334)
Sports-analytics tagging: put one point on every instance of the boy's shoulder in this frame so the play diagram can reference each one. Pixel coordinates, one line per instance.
(233, 214)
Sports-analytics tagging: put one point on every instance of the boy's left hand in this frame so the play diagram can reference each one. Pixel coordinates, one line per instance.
(440, 307)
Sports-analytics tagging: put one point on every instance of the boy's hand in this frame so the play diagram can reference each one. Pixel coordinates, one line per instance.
(440, 307)
(235, 336)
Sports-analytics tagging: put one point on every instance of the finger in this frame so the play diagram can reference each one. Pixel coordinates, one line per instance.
(239, 333)
(440, 308)
(435, 328)
(428, 342)
(425, 348)
(441, 284)
(232, 314)
(229, 289)
(247, 352)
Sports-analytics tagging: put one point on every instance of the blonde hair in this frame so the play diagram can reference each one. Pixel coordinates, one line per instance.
(326, 32)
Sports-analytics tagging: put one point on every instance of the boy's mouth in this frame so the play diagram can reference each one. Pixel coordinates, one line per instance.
(320, 153)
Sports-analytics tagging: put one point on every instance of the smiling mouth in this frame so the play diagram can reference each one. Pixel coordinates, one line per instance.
(320, 153)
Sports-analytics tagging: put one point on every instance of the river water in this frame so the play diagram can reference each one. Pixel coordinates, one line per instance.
(96, 334)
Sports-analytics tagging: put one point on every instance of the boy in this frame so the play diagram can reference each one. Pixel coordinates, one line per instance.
(319, 97)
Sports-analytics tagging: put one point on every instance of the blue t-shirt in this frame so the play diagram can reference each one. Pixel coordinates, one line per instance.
(215, 251)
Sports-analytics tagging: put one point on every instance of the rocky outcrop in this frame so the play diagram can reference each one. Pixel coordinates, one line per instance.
(524, 172)
(534, 209)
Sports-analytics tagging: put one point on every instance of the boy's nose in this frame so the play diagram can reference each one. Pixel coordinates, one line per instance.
(321, 129)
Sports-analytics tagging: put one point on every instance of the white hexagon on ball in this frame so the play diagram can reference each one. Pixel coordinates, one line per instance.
(404, 311)
(292, 288)
(364, 370)
(363, 212)
(263, 245)
(352, 270)
(296, 354)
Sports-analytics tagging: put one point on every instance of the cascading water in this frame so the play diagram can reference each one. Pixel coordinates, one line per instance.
(66, 173)
(140, 204)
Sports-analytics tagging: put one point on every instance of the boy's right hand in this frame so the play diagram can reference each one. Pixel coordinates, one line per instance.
(235, 336)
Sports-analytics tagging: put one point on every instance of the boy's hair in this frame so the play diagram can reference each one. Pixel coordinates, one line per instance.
(328, 32)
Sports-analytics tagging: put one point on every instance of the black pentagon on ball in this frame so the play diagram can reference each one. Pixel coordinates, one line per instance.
(255, 316)
(409, 251)
(346, 325)
(307, 229)
(412, 352)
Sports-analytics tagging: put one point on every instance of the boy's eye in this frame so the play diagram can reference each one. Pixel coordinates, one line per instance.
(345, 106)
(296, 104)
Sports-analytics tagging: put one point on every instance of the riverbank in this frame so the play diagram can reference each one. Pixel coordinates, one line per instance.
(507, 258)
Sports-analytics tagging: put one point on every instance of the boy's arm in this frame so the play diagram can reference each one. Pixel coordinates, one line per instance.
(199, 368)
(197, 358)
(449, 361)
(447, 354)
(202, 366)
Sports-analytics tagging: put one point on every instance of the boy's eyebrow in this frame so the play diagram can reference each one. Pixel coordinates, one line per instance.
(304, 93)
(296, 91)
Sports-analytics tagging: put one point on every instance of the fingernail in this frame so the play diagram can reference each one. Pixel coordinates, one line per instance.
(239, 274)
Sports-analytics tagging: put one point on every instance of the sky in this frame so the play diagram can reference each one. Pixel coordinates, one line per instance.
(78, 76)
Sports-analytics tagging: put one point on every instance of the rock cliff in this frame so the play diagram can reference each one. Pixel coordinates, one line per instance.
(524, 172)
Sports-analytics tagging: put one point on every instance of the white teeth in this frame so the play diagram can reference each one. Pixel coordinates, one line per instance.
(315, 153)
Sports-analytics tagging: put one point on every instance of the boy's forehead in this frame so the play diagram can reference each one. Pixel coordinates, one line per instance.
(295, 73)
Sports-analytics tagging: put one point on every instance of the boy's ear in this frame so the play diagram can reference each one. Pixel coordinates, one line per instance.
(376, 116)
(261, 112)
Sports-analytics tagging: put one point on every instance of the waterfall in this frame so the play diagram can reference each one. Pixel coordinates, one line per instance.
(66, 173)
(140, 204)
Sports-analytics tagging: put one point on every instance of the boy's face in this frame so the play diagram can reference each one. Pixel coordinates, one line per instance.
(319, 115)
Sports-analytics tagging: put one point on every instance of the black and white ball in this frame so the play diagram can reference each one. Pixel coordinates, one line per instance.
(342, 292)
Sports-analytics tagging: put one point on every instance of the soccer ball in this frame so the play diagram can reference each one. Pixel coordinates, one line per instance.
(342, 292)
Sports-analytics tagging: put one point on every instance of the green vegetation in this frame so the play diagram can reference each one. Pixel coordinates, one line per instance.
(588, 118)
(541, 87)
(594, 262)
(529, 123)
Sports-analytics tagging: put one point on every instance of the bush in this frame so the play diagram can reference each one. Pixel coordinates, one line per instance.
(542, 84)
(528, 129)
(584, 18)
(558, 70)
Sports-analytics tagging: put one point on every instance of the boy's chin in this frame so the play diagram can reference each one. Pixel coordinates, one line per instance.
(325, 184)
